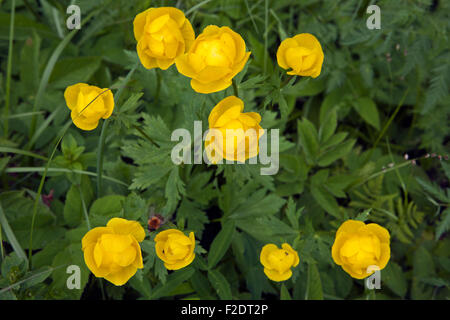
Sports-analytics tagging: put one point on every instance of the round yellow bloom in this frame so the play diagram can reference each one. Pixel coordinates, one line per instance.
(233, 135)
(216, 56)
(278, 262)
(358, 246)
(88, 104)
(175, 249)
(162, 35)
(302, 53)
(113, 252)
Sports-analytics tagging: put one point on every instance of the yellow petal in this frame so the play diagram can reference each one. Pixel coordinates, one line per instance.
(91, 264)
(121, 277)
(211, 87)
(93, 235)
(163, 235)
(126, 257)
(139, 24)
(277, 276)
(281, 52)
(265, 252)
(125, 227)
(108, 99)
(179, 264)
(380, 232)
(210, 74)
(349, 226)
(222, 107)
(384, 256)
(116, 243)
(82, 123)
(71, 94)
(288, 248)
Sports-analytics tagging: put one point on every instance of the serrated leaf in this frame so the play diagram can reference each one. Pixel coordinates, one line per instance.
(221, 243)
(220, 284)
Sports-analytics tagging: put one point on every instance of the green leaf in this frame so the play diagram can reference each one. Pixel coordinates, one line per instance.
(10, 236)
(284, 293)
(367, 109)
(106, 208)
(314, 284)
(308, 138)
(80, 68)
(173, 281)
(444, 224)
(326, 200)
(221, 243)
(336, 153)
(220, 284)
(394, 278)
(328, 126)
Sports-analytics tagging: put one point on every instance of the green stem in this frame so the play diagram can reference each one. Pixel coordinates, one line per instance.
(386, 126)
(9, 66)
(101, 141)
(41, 184)
(86, 216)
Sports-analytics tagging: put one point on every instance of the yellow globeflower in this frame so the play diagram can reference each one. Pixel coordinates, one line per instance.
(162, 35)
(88, 104)
(175, 249)
(302, 53)
(359, 246)
(113, 252)
(278, 262)
(216, 56)
(233, 135)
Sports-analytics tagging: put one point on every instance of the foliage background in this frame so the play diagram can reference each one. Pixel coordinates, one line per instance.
(382, 94)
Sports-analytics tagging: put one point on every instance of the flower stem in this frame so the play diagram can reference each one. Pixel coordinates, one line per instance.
(101, 141)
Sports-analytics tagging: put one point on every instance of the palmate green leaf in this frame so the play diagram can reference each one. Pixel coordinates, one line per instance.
(221, 243)
(193, 213)
(220, 284)
(367, 109)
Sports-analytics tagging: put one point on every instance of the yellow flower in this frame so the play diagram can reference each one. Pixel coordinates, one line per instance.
(88, 104)
(278, 262)
(162, 34)
(233, 135)
(113, 252)
(358, 246)
(175, 249)
(216, 56)
(302, 53)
